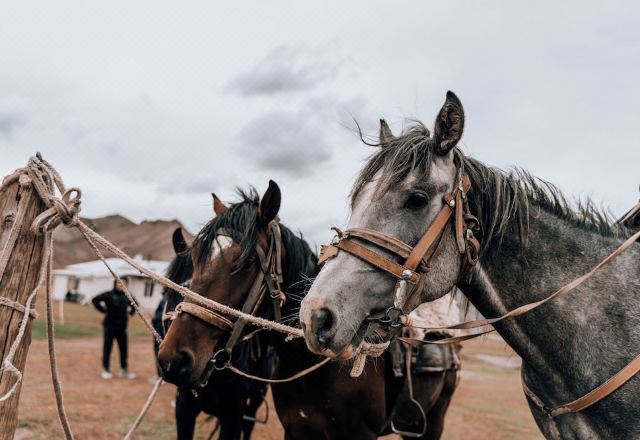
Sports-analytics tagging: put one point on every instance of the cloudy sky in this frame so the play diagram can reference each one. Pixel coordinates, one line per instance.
(149, 106)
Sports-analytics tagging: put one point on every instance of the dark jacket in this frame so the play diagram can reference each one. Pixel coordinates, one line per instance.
(116, 307)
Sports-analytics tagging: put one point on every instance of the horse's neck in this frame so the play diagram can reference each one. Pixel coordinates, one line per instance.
(575, 342)
(294, 353)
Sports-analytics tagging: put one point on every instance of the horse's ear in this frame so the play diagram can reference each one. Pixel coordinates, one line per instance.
(218, 206)
(449, 125)
(386, 135)
(179, 243)
(269, 204)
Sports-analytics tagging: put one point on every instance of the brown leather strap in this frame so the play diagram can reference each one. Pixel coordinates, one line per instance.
(592, 397)
(528, 307)
(384, 241)
(633, 211)
(444, 341)
(377, 260)
(206, 315)
(429, 237)
(453, 203)
(253, 297)
(599, 393)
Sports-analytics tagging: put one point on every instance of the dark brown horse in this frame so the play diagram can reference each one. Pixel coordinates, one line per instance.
(325, 404)
(233, 400)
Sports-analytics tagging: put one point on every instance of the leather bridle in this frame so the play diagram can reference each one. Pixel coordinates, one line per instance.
(416, 264)
(267, 282)
(415, 259)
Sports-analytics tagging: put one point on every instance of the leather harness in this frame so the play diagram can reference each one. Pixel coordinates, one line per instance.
(416, 263)
(268, 280)
(416, 259)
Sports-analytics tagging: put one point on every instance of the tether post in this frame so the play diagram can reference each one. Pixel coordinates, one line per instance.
(21, 257)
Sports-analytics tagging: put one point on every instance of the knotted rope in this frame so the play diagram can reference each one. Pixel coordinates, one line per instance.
(367, 349)
(65, 209)
(6, 302)
(34, 176)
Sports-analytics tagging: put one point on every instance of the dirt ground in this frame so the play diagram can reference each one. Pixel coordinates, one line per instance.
(488, 404)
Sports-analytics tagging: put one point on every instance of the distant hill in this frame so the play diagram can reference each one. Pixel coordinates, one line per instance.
(151, 239)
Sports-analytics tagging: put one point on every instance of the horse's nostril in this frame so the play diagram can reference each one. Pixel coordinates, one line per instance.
(179, 368)
(183, 365)
(321, 326)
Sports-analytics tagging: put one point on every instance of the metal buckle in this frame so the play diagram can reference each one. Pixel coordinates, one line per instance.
(386, 320)
(221, 359)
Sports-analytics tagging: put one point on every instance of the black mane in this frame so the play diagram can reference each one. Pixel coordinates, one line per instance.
(239, 221)
(181, 267)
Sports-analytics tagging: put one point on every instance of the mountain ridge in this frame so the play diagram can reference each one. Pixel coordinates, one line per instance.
(149, 238)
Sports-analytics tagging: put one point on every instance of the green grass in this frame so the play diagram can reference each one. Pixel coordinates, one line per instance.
(81, 322)
(22, 423)
(151, 427)
(39, 330)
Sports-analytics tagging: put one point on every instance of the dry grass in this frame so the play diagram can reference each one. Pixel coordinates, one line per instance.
(488, 404)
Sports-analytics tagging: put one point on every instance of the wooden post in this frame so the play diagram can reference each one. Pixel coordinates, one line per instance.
(16, 284)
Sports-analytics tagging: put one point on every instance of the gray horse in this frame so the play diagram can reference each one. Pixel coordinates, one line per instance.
(532, 244)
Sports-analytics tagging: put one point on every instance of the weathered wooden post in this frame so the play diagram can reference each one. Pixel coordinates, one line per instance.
(21, 253)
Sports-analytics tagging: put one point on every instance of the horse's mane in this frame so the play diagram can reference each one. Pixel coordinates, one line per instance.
(181, 267)
(497, 197)
(239, 221)
(180, 270)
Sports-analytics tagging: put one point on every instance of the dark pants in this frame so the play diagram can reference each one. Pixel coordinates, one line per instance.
(120, 335)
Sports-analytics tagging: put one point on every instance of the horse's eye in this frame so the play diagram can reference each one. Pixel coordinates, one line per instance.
(416, 201)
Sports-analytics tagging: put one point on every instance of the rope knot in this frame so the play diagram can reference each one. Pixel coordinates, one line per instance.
(367, 349)
(62, 210)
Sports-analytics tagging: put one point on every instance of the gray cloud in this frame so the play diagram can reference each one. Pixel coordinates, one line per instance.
(290, 142)
(189, 184)
(298, 140)
(283, 70)
(11, 117)
(142, 119)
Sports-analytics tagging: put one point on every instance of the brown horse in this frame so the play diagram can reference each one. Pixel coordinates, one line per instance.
(228, 256)
(232, 399)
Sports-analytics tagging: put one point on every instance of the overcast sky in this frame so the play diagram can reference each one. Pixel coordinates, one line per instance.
(149, 106)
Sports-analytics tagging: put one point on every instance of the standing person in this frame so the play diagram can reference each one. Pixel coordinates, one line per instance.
(117, 309)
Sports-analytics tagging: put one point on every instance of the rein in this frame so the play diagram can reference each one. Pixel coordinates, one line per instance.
(416, 264)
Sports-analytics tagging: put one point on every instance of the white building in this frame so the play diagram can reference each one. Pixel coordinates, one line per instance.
(92, 278)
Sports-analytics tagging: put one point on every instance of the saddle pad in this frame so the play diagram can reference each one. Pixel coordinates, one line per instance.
(433, 358)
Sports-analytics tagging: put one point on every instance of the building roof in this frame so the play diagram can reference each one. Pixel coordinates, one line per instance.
(97, 269)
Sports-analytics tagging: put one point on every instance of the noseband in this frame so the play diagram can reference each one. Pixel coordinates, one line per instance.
(269, 279)
(415, 259)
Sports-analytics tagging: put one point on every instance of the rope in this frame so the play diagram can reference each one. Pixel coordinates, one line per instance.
(43, 177)
(124, 287)
(366, 349)
(28, 178)
(6, 302)
(7, 363)
(51, 336)
(298, 375)
(145, 408)
(65, 210)
(186, 292)
(7, 250)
